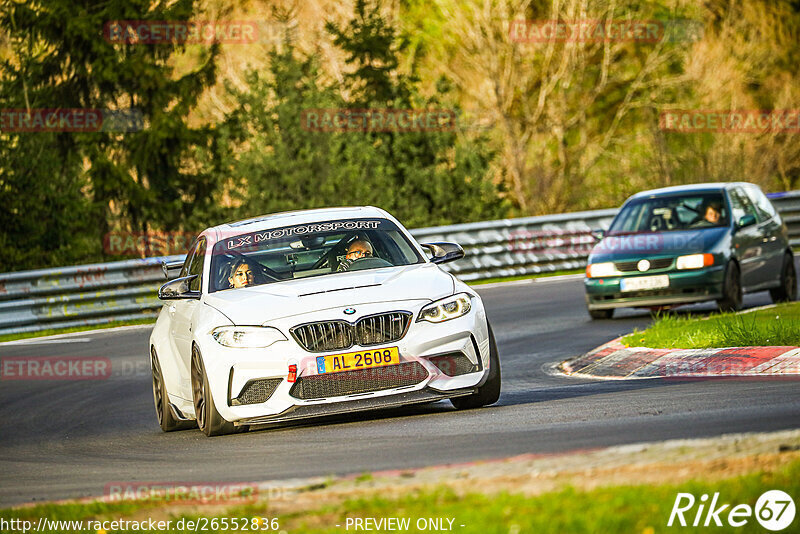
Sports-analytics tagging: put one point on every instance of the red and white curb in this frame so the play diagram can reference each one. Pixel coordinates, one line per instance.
(616, 361)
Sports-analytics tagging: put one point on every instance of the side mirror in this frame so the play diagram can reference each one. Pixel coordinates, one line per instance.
(598, 234)
(747, 220)
(179, 289)
(443, 252)
(171, 268)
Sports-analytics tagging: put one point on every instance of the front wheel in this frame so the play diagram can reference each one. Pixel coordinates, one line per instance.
(208, 418)
(731, 290)
(787, 291)
(166, 420)
(601, 314)
(489, 392)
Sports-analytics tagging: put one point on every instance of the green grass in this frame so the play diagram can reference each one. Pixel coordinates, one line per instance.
(54, 331)
(366, 476)
(638, 509)
(524, 277)
(776, 326)
(613, 509)
(73, 511)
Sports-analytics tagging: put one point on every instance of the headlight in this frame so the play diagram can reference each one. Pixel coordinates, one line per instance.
(695, 261)
(599, 270)
(445, 309)
(247, 337)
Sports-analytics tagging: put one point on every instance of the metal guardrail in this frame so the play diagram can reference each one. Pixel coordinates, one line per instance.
(788, 204)
(513, 247)
(126, 290)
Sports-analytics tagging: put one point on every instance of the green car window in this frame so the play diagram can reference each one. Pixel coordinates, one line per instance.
(763, 206)
(665, 213)
(741, 204)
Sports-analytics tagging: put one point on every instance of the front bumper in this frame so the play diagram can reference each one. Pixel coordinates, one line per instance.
(685, 287)
(230, 370)
(351, 406)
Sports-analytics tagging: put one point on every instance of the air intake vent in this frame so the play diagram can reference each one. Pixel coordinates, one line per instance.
(257, 391)
(324, 336)
(337, 335)
(360, 381)
(454, 364)
(633, 266)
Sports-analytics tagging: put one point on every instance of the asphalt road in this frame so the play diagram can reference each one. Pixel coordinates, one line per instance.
(67, 439)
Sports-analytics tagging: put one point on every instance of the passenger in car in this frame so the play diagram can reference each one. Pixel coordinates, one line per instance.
(241, 274)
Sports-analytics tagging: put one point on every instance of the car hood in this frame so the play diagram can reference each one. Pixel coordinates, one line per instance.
(268, 302)
(642, 245)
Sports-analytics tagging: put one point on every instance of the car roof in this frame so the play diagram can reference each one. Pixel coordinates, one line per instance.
(289, 218)
(690, 188)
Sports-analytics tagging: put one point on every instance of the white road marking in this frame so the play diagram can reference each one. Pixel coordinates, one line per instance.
(560, 278)
(540, 280)
(65, 338)
(504, 284)
(37, 341)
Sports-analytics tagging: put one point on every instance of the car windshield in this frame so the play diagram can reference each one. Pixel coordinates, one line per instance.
(314, 249)
(671, 213)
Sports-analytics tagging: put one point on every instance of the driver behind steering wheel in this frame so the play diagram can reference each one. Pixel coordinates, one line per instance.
(355, 251)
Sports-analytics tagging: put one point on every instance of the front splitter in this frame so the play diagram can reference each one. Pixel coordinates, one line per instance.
(308, 411)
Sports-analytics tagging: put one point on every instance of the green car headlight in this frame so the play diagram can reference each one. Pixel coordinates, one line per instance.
(600, 270)
(695, 261)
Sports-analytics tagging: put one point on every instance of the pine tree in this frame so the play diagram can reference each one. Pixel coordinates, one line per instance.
(88, 182)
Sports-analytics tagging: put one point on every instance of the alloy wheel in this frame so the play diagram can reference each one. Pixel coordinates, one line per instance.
(158, 397)
(198, 390)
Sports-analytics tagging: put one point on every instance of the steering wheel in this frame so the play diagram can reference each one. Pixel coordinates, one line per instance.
(337, 250)
(368, 263)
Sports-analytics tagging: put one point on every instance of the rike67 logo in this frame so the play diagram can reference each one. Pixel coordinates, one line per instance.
(774, 510)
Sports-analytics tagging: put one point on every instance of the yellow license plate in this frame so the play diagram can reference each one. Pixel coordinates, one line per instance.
(362, 359)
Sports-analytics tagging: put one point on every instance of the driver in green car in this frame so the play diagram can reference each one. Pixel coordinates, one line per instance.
(712, 213)
(356, 250)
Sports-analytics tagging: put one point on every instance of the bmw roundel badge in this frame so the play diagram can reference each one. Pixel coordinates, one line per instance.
(349, 311)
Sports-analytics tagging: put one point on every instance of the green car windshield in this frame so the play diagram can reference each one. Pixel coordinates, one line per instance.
(671, 213)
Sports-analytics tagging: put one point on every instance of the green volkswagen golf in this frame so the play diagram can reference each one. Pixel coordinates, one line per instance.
(686, 244)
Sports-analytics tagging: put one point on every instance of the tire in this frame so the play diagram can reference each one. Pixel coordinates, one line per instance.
(166, 419)
(489, 392)
(210, 422)
(787, 291)
(731, 289)
(601, 314)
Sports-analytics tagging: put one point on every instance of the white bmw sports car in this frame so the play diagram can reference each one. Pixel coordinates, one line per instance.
(313, 313)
